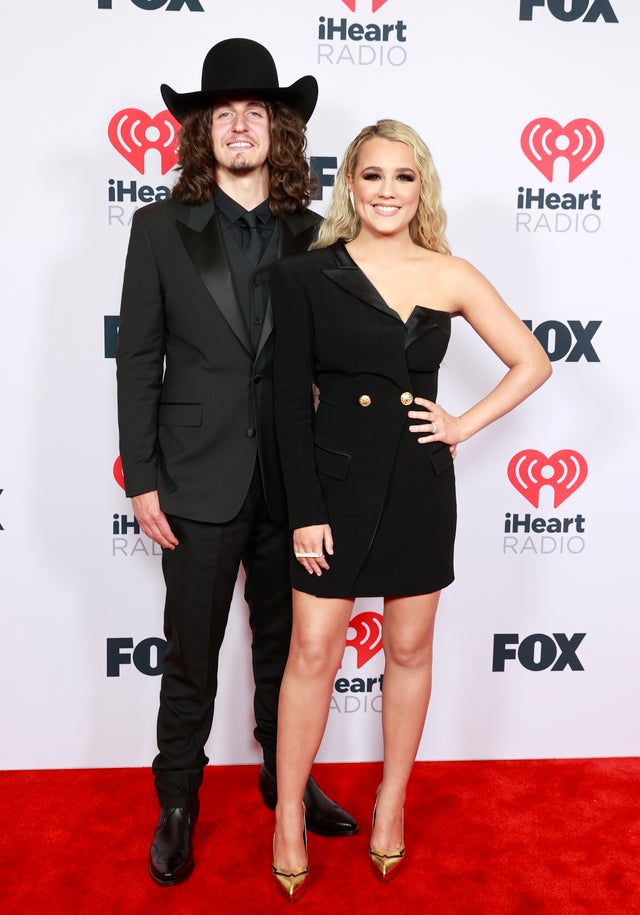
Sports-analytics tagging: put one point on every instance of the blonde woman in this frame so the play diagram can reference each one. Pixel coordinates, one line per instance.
(366, 316)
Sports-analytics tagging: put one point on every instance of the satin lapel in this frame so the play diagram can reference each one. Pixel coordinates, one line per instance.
(203, 241)
(293, 236)
(350, 278)
(423, 321)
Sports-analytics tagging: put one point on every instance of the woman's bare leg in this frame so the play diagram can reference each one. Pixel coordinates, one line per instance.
(317, 647)
(408, 646)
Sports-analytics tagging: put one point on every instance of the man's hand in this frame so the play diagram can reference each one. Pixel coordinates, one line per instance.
(153, 520)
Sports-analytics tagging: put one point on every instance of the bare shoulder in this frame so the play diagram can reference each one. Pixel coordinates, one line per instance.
(451, 281)
(466, 281)
(447, 265)
(456, 267)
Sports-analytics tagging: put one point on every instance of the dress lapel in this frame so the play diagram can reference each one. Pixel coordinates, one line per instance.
(350, 277)
(202, 238)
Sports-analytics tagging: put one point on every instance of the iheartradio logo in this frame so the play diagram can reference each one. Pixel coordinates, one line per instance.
(544, 140)
(367, 640)
(375, 5)
(132, 133)
(530, 470)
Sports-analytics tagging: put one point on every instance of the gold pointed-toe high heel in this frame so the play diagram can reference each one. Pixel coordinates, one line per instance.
(292, 884)
(385, 864)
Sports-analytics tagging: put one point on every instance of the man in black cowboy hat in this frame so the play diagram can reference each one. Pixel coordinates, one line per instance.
(195, 410)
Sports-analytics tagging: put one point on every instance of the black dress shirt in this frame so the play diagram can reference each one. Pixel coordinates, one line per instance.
(250, 281)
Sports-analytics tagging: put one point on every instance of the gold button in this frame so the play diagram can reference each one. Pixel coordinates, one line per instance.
(364, 400)
(406, 398)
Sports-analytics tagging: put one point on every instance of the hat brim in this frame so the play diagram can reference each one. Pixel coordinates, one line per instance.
(301, 96)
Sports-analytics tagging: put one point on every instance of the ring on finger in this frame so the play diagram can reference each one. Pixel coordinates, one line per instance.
(305, 555)
(434, 428)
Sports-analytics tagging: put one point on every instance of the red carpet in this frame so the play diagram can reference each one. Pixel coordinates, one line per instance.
(543, 836)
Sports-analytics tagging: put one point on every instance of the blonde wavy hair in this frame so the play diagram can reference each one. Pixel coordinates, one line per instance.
(427, 228)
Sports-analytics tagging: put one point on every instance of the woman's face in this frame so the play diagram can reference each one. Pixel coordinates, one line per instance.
(386, 186)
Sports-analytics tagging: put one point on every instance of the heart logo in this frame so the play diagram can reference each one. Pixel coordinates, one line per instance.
(132, 132)
(530, 470)
(118, 474)
(544, 140)
(367, 640)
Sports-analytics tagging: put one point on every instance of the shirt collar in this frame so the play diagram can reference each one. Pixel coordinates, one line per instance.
(234, 211)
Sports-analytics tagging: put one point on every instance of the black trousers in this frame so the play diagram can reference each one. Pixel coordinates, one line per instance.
(200, 575)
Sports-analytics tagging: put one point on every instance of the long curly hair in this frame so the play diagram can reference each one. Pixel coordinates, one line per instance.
(291, 187)
(427, 228)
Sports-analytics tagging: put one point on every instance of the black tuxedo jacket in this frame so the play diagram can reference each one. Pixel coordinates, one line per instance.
(195, 403)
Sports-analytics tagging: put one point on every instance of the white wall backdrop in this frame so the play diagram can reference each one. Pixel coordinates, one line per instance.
(537, 640)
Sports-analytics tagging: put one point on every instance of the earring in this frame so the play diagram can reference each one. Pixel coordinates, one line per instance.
(353, 204)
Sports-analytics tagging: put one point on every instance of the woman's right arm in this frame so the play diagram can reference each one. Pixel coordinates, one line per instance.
(293, 370)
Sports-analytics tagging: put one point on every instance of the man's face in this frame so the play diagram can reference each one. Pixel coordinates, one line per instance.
(240, 136)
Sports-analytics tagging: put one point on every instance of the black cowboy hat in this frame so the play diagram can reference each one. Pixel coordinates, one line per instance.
(239, 67)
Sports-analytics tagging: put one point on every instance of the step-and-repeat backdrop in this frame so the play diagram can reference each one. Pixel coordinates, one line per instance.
(527, 106)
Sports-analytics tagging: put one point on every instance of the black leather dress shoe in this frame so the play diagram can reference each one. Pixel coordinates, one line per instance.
(324, 817)
(170, 855)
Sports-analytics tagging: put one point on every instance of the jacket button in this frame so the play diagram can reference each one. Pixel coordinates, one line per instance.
(257, 379)
(364, 400)
(250, 432)
(406, 398)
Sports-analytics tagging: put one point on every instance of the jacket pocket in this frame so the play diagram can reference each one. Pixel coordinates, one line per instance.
(441, 460)
(180, 414)
(332, 463)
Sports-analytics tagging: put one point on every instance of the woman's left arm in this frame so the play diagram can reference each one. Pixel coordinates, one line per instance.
(528, 365)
